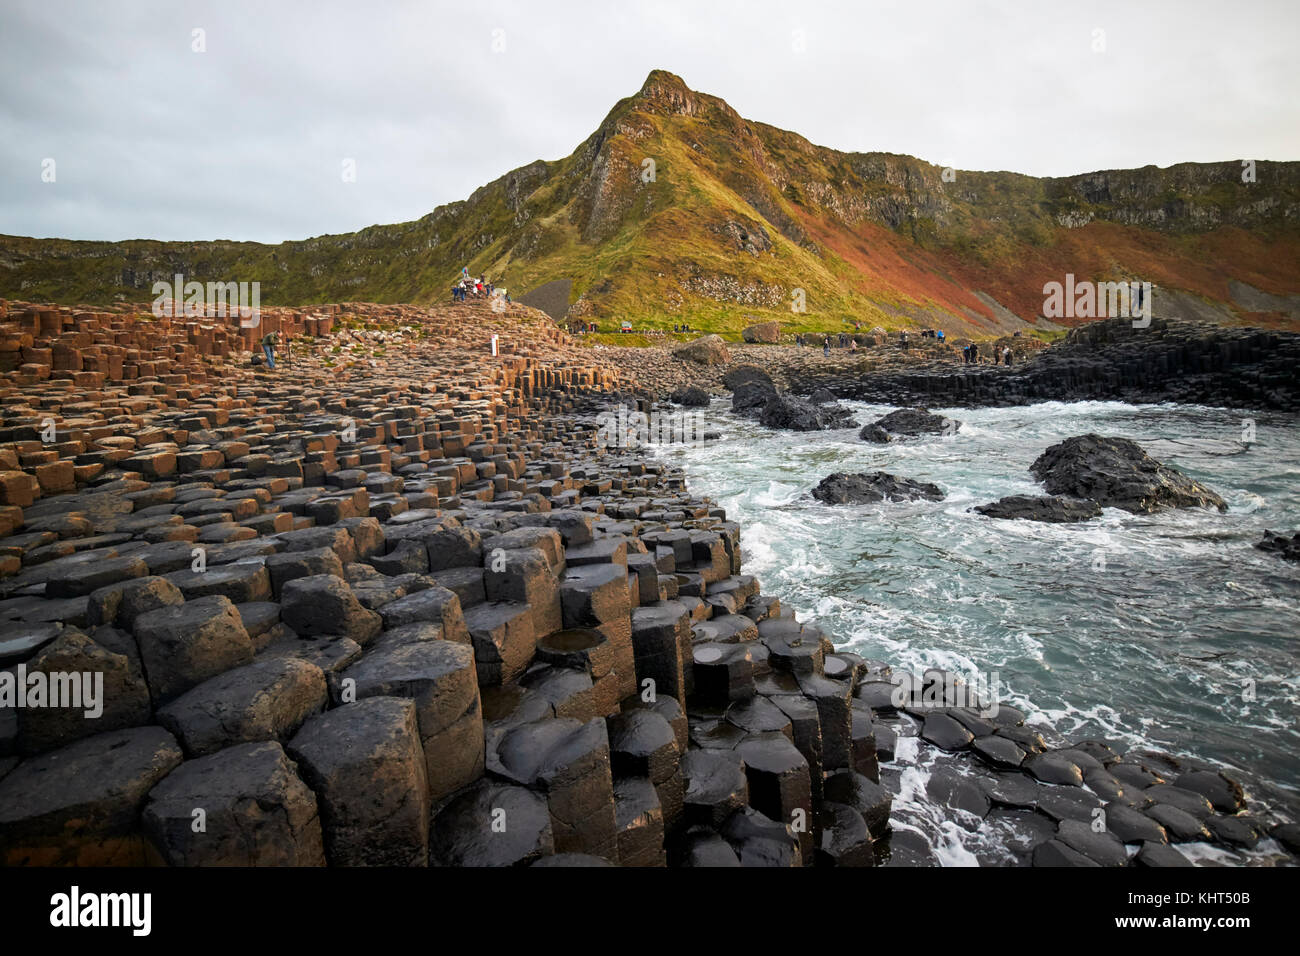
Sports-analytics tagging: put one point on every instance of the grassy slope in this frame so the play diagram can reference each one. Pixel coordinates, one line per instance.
(873, 238)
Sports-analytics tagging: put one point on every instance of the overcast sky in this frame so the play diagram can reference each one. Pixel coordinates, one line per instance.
(247, 139)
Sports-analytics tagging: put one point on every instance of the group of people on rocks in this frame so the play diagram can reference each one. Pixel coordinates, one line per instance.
(841, 340)
(466, 286)
(970, 355)
(683, 328)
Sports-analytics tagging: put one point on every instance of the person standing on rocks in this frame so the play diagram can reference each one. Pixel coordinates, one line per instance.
(269, 341)
(826, 346)
(1006, 355)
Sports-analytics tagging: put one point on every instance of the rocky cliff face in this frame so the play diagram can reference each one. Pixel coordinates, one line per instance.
(677, 208)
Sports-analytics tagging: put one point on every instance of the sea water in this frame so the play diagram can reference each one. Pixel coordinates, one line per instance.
(1168, 631)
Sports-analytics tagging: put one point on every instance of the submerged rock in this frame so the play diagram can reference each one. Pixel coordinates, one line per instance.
(1280, 544)
(1117, 473)
(908, 423)
(1057, 509)
(865, 488)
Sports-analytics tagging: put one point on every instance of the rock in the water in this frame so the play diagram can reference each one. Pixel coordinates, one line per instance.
(690, 396)
(1117, 473)
(867, 488)
(1056, 509)
(801, 415)
(1281, 545)
(908, 423)
(749, 396)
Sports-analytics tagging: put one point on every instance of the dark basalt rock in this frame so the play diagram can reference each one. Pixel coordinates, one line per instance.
(951, 789)
(1287, 834)
(1057, 853)
(745, 374)
(1186, 800)
(1117, 473)
(801, 415)
(1068, 803)
(1105, 849)
(748, 398)
(1281, 545)
(1169, 360)
(908, 423)
(1053, 768)
(690, 396)
(1160, 855)
(1236, 831)
(1056, 509)
(868, 488)
(822, 396)
(946, 733)
(1181, 826)
(1132, 826)
(463, 833)
(999, 752)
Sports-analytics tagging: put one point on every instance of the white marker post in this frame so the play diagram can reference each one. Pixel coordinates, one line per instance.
(494, 343)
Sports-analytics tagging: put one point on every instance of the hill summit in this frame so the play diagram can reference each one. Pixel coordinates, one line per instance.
(678, 210)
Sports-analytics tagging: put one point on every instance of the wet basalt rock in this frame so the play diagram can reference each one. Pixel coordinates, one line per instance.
(690, 396)
(1117, 473)
(872, 487)
(798, 414)
(1283, 545)
(1055, 509)
(908, 423)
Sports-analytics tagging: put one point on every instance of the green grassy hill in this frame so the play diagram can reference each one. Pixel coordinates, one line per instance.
(738, 217)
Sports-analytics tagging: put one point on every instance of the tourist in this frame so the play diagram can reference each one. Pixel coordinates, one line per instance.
(1006, 356)
(939, 335)
(268, 347)
(826, 346)
(853, 345)
(965, 354)
(974, 353)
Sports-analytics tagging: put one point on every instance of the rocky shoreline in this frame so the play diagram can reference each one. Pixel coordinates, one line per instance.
(1171, 360)
(404, 605)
